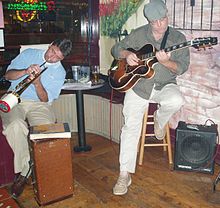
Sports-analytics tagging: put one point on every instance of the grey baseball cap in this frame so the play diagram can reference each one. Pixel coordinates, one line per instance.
(155, 10)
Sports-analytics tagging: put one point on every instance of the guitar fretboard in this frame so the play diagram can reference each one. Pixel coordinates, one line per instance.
(168, 49)
(176, 47)
(204, 42)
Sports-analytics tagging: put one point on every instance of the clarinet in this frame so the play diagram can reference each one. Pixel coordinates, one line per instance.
(22, 86)
(10, 99)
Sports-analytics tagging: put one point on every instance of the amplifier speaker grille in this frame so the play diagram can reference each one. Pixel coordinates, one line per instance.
(195, 147)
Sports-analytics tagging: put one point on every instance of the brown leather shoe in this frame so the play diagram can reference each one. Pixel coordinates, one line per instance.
(18, 186)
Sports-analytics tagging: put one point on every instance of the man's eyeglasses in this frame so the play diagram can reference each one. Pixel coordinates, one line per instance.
(159, 20)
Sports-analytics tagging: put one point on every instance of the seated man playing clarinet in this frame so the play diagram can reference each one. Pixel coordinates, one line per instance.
(34, 107)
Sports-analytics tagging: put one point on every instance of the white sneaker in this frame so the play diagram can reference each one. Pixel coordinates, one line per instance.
(121, 187)
(159, 133)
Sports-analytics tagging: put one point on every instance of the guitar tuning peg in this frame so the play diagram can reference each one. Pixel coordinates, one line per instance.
(210, 46)
(203, 47)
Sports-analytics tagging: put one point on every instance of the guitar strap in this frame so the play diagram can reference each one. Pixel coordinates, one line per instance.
(163, 43)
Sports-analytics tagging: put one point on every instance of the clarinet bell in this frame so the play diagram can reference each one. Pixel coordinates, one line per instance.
(8, 101)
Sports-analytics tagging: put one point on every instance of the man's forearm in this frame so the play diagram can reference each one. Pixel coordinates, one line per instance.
(41, 92)
(14, 74)
(124, 53)
(171, 65)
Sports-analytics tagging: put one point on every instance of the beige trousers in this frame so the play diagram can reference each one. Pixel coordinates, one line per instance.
(15, 128)
(170, 100)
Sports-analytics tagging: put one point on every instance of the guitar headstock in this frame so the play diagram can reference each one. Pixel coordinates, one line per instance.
(204, 42)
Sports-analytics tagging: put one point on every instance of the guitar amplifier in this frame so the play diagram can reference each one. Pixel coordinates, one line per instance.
(52, 169)
(195, 147)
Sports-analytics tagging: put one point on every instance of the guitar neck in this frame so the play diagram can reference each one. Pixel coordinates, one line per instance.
(180, 46)
(170, 49)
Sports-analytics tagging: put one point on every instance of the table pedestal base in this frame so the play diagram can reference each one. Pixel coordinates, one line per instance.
(82, 148)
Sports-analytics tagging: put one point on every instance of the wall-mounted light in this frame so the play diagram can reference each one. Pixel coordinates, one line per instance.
(192, 2)
(124, 33)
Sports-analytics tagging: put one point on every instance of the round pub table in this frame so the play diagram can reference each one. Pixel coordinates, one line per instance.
(79, 88)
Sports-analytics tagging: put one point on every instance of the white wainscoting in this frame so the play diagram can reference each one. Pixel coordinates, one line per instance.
(97, 115)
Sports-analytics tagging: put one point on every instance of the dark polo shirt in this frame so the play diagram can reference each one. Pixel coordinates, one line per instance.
(163, 76)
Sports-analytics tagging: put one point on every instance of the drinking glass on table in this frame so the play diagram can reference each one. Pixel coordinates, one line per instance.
(95, 70)
(76, 73)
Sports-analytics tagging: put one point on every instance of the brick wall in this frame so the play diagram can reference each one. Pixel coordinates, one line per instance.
(200, 85)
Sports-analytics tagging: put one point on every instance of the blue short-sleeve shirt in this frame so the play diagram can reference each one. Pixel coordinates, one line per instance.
(52, 78)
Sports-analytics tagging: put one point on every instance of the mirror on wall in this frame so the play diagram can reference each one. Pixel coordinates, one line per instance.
(69, 17)
(77, 20)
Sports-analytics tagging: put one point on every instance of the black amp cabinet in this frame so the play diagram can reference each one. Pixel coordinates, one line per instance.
(195, 147)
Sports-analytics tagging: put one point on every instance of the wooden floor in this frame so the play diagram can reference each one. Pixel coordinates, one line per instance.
(153, 185)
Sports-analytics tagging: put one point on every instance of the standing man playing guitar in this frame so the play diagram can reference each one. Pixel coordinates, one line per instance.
(160, 88)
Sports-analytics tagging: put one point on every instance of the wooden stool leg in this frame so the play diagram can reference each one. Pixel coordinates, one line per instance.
(169, 146)
(144, 127)
(166, 143)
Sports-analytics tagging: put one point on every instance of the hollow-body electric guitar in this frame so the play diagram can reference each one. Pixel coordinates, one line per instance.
(122, 76)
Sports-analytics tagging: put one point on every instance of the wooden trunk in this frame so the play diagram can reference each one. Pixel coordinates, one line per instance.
(52, 169)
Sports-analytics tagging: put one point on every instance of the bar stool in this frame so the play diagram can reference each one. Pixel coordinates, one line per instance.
(147, 131)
